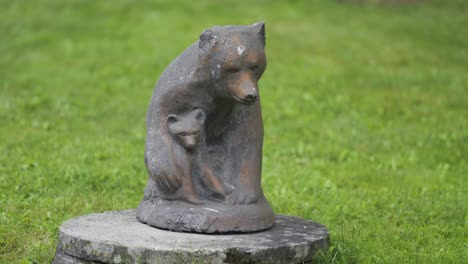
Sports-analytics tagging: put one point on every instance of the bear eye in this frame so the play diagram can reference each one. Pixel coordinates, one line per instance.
(183, 134)
(232, 70)
(255, 68)
(196, 133)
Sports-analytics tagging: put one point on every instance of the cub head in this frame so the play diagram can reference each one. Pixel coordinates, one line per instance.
(235, 59)
(186, 128)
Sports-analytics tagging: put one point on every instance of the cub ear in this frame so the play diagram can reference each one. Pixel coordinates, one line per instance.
(207, 39)
(200, 116)
(172, 119)
(259, 28)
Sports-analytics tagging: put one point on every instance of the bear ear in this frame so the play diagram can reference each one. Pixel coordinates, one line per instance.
(200, 116)
(207, 39)
(259, 28)
(172, 119)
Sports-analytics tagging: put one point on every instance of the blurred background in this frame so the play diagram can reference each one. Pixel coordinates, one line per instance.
(365, 105)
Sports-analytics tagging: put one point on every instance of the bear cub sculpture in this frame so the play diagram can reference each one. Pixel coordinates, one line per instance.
(188, 131)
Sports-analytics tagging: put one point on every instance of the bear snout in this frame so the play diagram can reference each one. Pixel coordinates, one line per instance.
(247, 92)
(251, 97)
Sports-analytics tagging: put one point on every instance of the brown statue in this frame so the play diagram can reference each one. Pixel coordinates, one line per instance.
(205, 135)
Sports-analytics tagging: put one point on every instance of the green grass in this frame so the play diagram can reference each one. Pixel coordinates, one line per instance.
(365, 110)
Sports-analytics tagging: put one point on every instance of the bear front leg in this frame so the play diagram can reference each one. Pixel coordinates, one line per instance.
(248, 189)
(210, 181)
(184, 163)
(247, 147)
(189, 194)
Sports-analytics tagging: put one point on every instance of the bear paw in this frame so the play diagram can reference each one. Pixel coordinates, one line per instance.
(167, 184)
(192, 199)
(246, 197)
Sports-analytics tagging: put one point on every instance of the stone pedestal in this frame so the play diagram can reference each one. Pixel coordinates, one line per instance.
(118, 237)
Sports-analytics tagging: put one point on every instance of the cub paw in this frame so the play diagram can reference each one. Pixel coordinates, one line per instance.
(192, 199)
(228, 189)
(245, 197)
(167, 184)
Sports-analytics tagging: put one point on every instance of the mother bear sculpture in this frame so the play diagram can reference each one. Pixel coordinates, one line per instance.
(217, 75)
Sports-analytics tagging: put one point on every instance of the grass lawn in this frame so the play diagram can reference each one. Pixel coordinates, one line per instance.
(365, 110)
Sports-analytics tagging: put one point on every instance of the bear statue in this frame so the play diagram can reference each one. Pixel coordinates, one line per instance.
(204, 137)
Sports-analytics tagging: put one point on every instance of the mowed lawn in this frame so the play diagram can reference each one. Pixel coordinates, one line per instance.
(365, 109)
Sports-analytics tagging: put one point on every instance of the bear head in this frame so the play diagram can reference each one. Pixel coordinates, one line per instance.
(186, 128)
(234, 57)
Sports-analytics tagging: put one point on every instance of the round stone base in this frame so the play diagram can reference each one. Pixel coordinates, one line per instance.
(118, 237)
